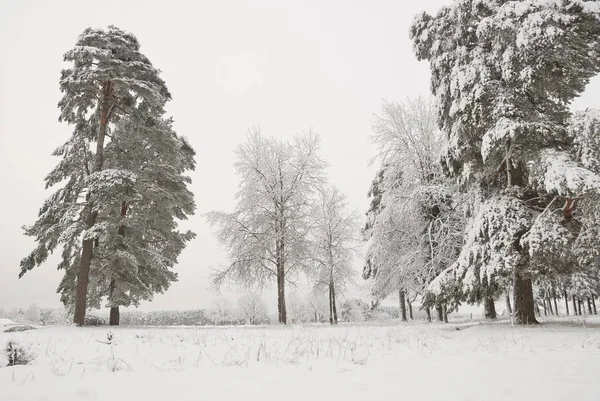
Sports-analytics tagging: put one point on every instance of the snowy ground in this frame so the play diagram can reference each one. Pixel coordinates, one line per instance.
(555, 361)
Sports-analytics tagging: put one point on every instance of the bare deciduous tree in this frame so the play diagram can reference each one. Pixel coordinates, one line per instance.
(413, 229)
(252, 307)
(336, 241)
(267, 234)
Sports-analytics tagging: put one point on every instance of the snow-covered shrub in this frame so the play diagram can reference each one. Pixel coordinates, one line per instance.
(53, 317)
(19, 328)
(17, 354)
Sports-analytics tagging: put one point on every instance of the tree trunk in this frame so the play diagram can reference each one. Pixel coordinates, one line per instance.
(489, 308)
(88, 244)
(402, 297)
(566, 301)
(574, 306)
(550, 306)
(410, 310)
(114, 309)
(545, 309)
(281, 310)
(594, 304)
(579, 307)
(428, 313)
(445, 309)
(508, 307)
(82, 280)
(524, 303)
(555, 302)
(589, 302)
(333, 307)
(114, 316)
(330, 306)
(440, 313)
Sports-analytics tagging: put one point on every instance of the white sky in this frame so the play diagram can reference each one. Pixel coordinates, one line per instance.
(229, 65)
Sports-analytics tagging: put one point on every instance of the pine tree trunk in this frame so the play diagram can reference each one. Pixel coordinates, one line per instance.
(545, 309)
(579, 307)
(87, 245)
(566, 301)
(508, 307)
(574, 306)
(550, 306)
(445, 309)
(440, 313)
(428, 313)
(114, 310)
(402, 298)
(489, 308)
(555, 302)
(524, 303)
(589, 302)
(594, 304)
(410, 310)
(115, 316)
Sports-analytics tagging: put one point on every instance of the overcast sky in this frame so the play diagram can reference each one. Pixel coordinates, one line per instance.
(286, 66)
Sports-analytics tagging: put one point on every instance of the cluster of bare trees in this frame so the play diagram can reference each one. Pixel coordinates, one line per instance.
(289, 222)
(416, 219)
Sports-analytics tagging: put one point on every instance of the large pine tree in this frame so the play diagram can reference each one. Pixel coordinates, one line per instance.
(114, 98)
(504, 74)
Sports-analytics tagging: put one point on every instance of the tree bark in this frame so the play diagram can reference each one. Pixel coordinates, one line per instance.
(410, 310)
(333, 319)
(445, 309)
(440, 313)
(550, 306)
(574, 306)
(579, 307)
(402, 297)
(87, 245)
(508, 307)
(545, 309)
(489, 308)
(333, 307)
(566, 301)
(280, 259)
(594, 304)
(555, 302)
(428, 313)
(589, 302)
(282, 313)
(115, 316)
(524, 303)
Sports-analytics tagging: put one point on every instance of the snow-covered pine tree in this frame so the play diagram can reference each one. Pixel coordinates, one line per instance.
(267, 234)
(504, 74)
(109, 81)
(138, 237)
(335, 243)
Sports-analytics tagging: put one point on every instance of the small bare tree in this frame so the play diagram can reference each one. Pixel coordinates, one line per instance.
(336, 242)
(318, 305)
(252, 307)
(221, 311)
(267, 234)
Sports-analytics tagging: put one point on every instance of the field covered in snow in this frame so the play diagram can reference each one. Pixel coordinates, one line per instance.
(471, 361)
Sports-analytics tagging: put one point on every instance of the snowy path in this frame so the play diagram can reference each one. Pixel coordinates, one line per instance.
(557, 361)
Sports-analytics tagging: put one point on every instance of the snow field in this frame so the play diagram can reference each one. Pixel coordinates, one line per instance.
(556, 361)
